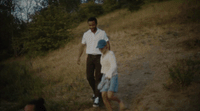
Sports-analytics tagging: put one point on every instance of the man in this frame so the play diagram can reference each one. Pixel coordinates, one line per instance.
(35, 105)
(93, 66)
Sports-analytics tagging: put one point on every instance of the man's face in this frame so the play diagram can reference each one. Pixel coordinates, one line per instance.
(92, 26)
(29, 108)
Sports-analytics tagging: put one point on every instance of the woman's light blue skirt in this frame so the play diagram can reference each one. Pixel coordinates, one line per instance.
(113, 84)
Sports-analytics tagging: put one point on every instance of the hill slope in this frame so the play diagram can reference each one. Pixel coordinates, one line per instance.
(145, 43)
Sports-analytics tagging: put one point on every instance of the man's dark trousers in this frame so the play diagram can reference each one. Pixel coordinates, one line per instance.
(93, 70)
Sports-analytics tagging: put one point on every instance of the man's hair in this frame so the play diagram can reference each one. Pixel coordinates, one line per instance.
(39, 104)
(92, 19)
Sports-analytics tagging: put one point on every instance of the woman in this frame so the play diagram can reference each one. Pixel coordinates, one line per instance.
(109, 82)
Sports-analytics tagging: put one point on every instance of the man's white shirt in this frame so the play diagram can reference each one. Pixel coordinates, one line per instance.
(91, 40)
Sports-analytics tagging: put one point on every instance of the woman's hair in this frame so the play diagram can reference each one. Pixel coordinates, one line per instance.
(92, 19)
(39, 104)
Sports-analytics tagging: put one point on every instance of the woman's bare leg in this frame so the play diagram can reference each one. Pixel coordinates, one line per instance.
(111, 96)
(106, 101)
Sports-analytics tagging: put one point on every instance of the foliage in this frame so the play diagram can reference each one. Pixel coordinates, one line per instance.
(17, 43)
(132, 5)
(89, 9)
(16, 82)
(9, 28)
(151, 1)
(5, 34)
(48, 30)
(110, 5)
(70, 5)
(183, 72)
(135, 4)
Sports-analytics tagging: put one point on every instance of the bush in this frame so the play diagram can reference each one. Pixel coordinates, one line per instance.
(17, 83)
(152, 1)
(132, 5)
(48, 30)
(110, 5)
(89, 9)
(135, 5)
(183, 72)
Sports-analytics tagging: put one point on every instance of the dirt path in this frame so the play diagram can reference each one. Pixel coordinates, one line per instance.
(133, 81)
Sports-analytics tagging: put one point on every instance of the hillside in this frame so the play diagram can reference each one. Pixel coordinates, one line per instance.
(146, 43)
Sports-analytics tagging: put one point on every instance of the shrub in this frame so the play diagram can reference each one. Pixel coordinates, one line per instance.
(183, 72)
(135, 5)
(89, 9)
(132, 5)
(49, 30)
(152, 1)
(17, 83)
(110, 5)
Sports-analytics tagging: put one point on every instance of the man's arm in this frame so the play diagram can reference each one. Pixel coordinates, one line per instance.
(81, 49)
(108, 43)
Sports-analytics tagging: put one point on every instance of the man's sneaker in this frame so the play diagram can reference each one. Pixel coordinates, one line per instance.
(96, 102)
(93, 97)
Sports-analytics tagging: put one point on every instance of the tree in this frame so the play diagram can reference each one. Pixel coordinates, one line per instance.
(9, 27)
(23, 9)
(48, 30)
(68, 5)
(89, 9)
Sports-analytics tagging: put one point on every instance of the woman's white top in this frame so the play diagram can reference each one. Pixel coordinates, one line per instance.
(108, 64)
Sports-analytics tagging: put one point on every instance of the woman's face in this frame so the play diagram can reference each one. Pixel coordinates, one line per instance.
(103, 50)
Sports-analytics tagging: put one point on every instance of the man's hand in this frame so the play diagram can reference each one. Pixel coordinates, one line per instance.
(78, 61)
(82, 46)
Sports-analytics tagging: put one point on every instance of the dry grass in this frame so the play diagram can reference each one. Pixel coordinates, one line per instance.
(155, 34)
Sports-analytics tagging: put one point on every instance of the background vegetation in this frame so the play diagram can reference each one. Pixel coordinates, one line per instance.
(48, 28)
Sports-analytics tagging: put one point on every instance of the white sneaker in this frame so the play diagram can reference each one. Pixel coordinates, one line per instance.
(96, 102)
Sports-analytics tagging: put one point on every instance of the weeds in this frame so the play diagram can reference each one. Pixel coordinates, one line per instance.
(17, 84)
(182, 73)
